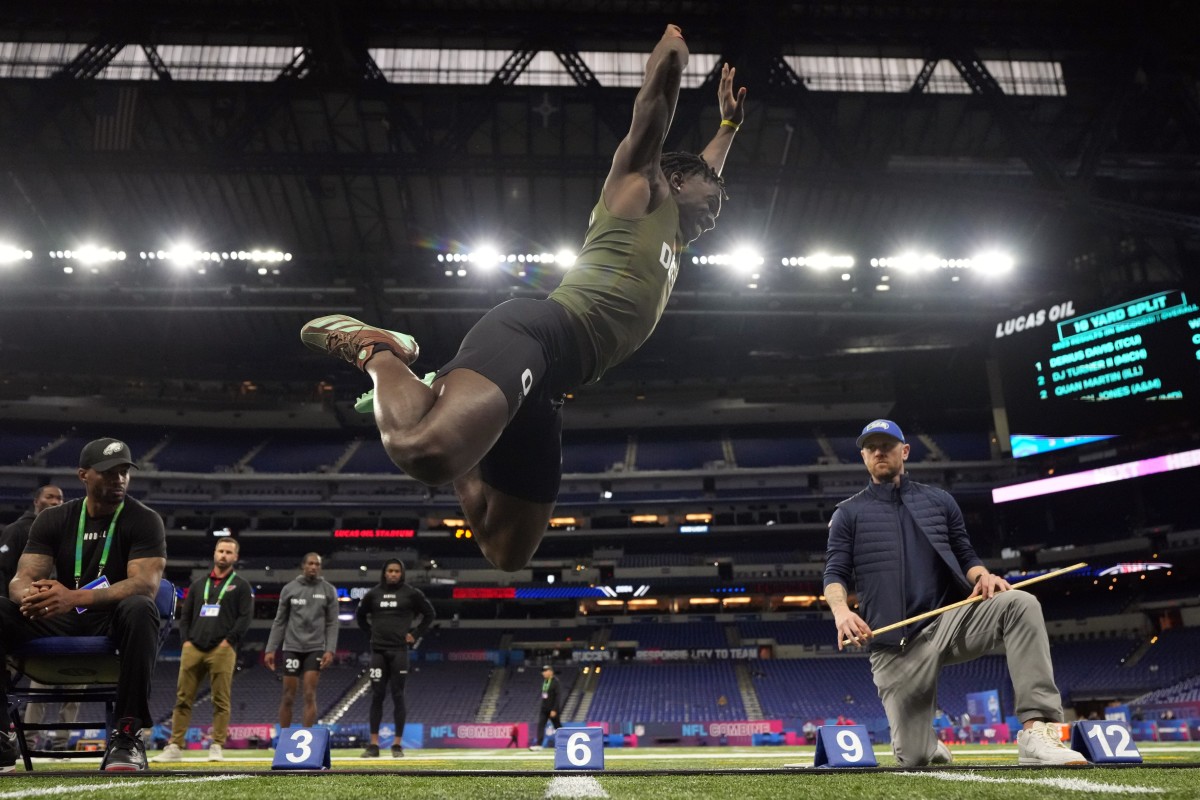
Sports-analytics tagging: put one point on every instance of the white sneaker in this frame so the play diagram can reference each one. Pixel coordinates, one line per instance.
(1042, 746)
(170, 753)
(942, 756)
(215, 753)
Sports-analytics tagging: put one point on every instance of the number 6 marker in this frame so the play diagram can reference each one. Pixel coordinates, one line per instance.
(579, 748)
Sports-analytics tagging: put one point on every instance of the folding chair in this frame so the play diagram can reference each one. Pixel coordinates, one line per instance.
(82, 669)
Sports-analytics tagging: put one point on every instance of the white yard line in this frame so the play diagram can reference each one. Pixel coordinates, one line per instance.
(1069, 784)
(135, 785)
(649, 754)
(575, 786)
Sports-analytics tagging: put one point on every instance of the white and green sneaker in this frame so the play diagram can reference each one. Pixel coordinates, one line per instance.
(365, 404)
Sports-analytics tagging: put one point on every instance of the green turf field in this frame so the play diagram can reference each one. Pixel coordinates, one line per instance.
(698, 773)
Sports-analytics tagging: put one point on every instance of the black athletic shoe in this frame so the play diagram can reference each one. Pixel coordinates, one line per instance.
(10, 751)
(125, 751)
(397, 751)
(372, 751)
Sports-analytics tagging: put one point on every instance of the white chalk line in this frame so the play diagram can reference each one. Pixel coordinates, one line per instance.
(135, 785)
(1068, 784)
(575, 786)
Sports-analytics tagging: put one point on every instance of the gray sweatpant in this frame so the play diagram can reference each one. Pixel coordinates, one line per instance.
(907, 679)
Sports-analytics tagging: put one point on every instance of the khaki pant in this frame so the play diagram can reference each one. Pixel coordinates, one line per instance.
(36, 712)
(194, 664)
(907, 680)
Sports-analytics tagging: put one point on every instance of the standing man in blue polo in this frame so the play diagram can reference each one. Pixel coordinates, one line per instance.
(905, 546)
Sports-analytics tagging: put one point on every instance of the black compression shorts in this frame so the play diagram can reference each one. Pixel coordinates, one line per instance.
(534, 351)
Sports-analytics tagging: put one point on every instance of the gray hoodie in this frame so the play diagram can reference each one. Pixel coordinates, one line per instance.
(307, 619)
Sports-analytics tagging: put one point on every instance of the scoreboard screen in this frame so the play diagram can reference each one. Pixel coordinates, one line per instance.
(1066, 370)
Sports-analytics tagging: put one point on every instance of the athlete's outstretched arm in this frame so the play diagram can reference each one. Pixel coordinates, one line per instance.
(635, 183)
(733, 113)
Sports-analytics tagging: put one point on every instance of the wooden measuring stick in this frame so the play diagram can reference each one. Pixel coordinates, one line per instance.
(968, 601)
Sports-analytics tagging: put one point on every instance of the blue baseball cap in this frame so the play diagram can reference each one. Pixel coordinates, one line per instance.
(881, 426)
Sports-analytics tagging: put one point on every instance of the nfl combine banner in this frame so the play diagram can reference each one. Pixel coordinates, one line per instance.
(478, 734)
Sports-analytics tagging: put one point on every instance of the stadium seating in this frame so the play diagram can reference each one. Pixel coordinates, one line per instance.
(671, 637)
(370, 457)
(444, 640)
(315, 452)
(520, 697)
(813, 632)
(678, 450)
(816, 688)
(590, 453)
(447, 691)
(668, 692)
(204, 451)
(775, 451)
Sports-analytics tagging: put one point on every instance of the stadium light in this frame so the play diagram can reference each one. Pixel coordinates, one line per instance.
(992, 263)
(820, 261)
(987, 263)
(182, 255)
(92, 255)
(486, 257)
(565, 258)
(743, 260)
(10, 254)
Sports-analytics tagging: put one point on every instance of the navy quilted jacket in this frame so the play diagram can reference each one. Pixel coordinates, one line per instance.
(865, 544)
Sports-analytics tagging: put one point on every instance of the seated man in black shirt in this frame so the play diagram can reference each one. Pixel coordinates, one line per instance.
(109, 552)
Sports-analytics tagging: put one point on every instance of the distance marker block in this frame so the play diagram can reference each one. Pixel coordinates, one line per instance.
(302, 748)
(579, 748)
(1104, 741)
(844, 746)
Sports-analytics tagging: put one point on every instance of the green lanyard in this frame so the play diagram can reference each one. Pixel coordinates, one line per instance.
(208, 582)
(112, 526)
(546, 686)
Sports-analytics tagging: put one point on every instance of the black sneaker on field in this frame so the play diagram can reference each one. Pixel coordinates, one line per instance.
(397, 751)
(372, 751)
(10, 751)
(125, 751)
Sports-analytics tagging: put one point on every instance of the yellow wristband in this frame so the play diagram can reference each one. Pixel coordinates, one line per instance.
(728, 123)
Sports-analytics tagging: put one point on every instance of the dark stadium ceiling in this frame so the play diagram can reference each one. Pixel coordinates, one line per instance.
(1095, 193)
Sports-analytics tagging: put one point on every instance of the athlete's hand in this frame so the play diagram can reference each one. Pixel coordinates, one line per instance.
(47, 598)
(851, 626)
(732, 102)
(269, 661)
(408, 637)
(326, 659)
